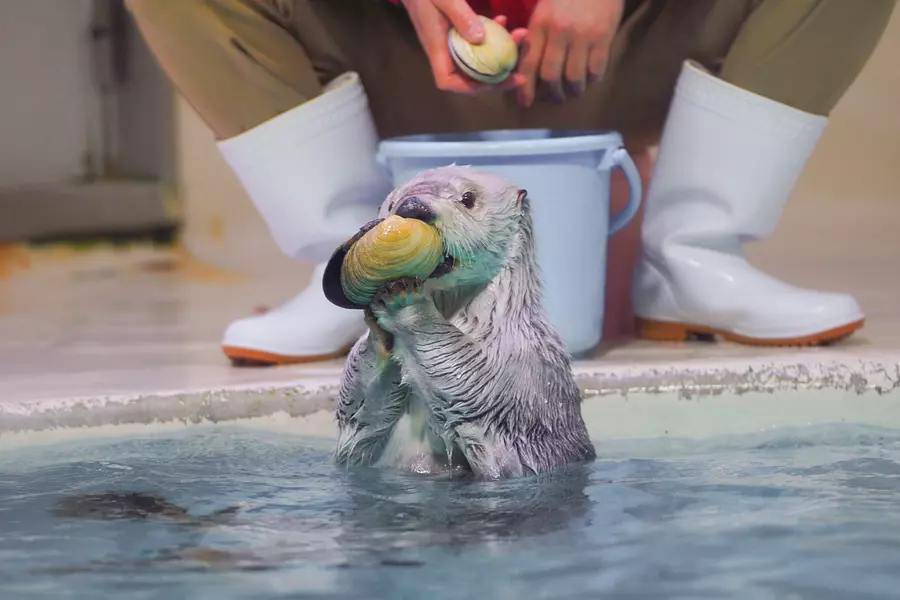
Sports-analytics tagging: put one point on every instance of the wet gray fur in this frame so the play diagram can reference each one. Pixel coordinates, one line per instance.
(464, 372)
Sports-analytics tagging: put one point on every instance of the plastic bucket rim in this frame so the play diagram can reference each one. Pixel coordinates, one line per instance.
(579, 140)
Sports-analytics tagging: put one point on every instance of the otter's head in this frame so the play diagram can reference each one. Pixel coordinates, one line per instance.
(478, 214)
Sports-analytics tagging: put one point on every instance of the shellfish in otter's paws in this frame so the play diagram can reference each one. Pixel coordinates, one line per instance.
(491, 61)
(388, 249)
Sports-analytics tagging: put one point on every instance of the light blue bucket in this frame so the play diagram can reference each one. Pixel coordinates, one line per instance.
(567, 175)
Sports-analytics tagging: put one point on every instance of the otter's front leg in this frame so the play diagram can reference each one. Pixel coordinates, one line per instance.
(371, 398)
(450, 371)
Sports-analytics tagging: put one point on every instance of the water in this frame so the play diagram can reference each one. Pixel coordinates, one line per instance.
(806, 513)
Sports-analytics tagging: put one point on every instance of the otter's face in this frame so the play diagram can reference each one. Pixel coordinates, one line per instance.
(477, 214)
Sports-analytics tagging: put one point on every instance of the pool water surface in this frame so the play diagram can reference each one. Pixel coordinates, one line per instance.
(231, 512)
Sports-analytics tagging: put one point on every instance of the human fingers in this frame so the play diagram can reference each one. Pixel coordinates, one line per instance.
(518, 35)
(598, 58)
(533, 49)
(576, 67)
(553, 62)
(431, 27)
(462, 17)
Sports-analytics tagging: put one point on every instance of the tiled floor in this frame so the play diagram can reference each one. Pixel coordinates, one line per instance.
(123, 323)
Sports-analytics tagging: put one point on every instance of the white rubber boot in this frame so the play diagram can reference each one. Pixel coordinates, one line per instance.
(312, 175)
(727, 162)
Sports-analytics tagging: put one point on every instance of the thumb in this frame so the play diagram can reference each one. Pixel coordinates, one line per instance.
(463, 18)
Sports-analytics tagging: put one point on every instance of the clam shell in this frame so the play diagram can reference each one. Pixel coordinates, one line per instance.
(491, 61)
(383, 250)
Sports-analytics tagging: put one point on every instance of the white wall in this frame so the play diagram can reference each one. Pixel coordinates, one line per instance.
(45, 90)
(221, 225)
(849, 194)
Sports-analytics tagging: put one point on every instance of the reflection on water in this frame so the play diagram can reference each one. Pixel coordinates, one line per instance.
(230, 513)
(384, 511)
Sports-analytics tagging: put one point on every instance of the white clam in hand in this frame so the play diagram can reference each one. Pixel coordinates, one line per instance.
(491, 61)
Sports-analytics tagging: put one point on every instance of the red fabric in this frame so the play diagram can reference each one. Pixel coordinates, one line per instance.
(517, 11)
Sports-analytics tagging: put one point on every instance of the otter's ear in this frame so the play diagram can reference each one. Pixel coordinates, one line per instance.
(522, 195)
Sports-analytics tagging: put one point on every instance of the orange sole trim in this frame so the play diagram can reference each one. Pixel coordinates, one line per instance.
(248, 357)
(664, 331)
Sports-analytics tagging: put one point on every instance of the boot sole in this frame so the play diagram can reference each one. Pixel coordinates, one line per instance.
(248, 357)
(664, 331)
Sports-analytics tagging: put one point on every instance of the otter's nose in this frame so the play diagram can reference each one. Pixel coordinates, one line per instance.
(413, 207)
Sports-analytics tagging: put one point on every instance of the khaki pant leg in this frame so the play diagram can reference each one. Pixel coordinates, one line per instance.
(806, 53)
(653, 40)
(237, 62)
(645, 61)
(240, 62)
(380, 43)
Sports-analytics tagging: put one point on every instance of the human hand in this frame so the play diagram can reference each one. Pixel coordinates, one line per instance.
(432, 20)
(568, 40)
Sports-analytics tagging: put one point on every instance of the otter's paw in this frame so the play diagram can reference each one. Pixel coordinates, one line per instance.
(399, 301)
(399, 293)
(383, 340)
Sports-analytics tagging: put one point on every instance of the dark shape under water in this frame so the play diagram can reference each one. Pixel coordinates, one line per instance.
(131, 505)
(449, 512)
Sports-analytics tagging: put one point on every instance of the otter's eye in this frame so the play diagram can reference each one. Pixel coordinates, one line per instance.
(468, 199)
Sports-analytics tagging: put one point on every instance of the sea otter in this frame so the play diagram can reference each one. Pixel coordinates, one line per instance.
(463, 371)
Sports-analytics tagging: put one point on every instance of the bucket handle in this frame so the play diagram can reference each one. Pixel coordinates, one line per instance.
(621, 159)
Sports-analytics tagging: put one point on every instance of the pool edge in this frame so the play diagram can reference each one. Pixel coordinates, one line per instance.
(688, 398)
